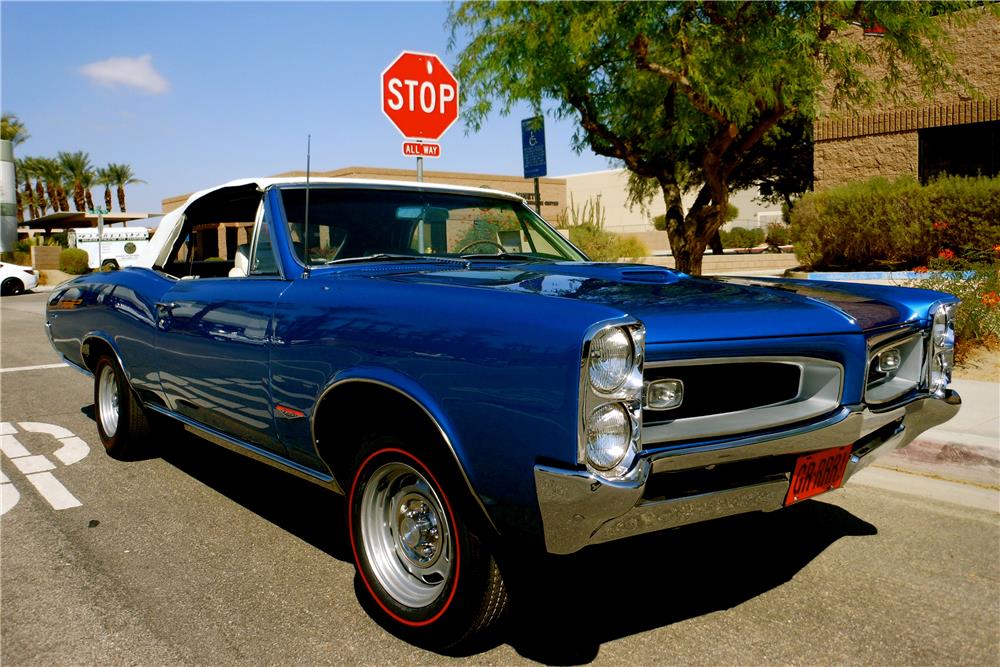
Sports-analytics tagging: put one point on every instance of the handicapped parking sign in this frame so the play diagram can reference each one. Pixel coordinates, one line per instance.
(533, 147)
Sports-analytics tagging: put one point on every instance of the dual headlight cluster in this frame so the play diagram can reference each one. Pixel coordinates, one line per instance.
(941, 348)
(611, 399)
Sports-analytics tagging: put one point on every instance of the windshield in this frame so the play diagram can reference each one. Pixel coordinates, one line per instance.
(352, 224)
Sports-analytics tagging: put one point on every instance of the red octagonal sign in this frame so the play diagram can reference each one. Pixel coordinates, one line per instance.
(419, 95)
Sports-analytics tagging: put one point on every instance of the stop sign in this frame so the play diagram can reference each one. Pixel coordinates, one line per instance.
(419, 95)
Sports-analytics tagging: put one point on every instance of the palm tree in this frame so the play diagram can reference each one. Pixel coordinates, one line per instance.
(51, 172)
(28, 171)
(104, 178)
(122, 175)
(89, 181)
(76, 166)
(19, 168)
(12, 129)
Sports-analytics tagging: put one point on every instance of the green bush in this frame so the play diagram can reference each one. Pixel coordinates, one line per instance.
(977, 320)
(741, 237)
(897, 224)
(73, 261)
(777, 234)
(605, 246)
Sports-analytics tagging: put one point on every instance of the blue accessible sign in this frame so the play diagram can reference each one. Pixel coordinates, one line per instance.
(533, 146)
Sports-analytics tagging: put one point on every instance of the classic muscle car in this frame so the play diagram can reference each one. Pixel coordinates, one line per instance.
(470, 381)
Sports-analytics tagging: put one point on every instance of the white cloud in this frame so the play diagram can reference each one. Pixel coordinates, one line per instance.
(131, 72)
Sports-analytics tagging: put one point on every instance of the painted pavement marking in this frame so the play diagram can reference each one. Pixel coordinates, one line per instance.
(36, 467)
(17, 369)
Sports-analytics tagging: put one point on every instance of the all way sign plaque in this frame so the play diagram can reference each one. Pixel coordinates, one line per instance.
(420, 149)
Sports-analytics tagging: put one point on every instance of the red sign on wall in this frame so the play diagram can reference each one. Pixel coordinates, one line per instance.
(419, 96)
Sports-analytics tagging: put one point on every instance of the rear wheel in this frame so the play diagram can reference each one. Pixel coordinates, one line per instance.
(121, 420)
(431, 578)
(11, 286)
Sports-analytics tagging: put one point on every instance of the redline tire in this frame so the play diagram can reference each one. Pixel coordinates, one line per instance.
(405, 530)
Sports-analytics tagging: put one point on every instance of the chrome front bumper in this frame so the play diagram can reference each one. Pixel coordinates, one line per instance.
(579, 508)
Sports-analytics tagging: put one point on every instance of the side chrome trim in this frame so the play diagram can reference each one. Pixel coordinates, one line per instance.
(77, 368)
(441, 431)
(251, 451)
(579, 509)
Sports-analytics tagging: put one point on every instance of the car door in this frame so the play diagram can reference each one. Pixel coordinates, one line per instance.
(213, 342)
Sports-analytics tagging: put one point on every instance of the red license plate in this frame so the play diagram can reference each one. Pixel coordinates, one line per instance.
(818, 473)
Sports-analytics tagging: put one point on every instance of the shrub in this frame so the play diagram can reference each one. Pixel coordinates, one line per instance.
(605, 246)
(777, 234)
(73, 261)
(977, 320)
(741, 237)
(896, 224)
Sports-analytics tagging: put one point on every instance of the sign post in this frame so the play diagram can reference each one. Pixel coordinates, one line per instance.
(533, 153)
(100, 233)
(420, 97)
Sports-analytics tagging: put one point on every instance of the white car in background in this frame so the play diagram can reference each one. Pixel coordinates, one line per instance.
(15, 278)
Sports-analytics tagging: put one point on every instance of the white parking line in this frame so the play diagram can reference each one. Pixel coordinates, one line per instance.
(53, 491)
(32, 368)
(35, 468)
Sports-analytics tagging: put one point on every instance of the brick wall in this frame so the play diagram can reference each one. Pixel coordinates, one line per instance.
(883, 141)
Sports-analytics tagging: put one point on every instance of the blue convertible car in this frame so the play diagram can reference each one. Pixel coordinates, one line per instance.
(470, 381)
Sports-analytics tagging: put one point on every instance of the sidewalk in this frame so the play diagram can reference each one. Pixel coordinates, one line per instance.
(964, 449)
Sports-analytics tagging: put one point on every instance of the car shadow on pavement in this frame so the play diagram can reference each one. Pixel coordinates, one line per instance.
(307, 511)
(564, 608)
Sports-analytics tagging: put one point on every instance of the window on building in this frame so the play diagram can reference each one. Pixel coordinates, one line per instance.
(959, 150)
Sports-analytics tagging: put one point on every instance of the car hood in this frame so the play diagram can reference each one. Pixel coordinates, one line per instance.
(676, 307)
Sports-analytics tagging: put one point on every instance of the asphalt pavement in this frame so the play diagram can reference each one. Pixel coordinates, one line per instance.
(197, 555)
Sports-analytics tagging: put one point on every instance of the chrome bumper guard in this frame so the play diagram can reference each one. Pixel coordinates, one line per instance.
(579, 508)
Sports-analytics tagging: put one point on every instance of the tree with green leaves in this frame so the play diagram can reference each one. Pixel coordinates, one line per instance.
(681, 93)
(50, 171)
(76, 166)
(104, 178)
(12, 129)
(122, 175)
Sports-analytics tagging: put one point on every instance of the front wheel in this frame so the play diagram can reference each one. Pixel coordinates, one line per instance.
(432, 580)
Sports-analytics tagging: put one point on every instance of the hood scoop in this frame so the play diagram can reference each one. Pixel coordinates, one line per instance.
(648, 275)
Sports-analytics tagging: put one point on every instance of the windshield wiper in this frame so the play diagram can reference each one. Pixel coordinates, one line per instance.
(388, 256)
(506, 255)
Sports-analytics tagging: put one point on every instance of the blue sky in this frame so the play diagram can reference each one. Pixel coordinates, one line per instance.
(231, 89)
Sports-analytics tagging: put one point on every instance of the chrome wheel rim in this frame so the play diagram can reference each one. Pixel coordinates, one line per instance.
(406, 535)
(107, 401)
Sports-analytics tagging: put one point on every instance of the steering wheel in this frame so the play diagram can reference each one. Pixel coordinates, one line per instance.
(480, 242)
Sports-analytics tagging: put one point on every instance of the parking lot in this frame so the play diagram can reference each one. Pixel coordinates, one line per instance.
(200, 556)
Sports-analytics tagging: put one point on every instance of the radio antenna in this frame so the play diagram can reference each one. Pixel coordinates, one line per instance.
(305, 230)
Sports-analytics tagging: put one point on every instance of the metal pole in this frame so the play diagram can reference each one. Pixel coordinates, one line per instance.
(538, 198)
(8, 198)
(100, 237)
(420, 225)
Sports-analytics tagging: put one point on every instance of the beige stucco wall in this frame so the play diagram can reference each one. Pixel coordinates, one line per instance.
(840, 161)
(883, 140)
(611, 187)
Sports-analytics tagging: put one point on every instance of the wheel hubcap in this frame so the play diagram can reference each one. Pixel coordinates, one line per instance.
(107, 401)
(405, 535)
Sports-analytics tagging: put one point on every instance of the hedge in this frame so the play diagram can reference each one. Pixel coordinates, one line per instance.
(73, 261)
(898, 224)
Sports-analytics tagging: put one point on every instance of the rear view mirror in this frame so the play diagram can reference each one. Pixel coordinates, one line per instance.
(428, 214)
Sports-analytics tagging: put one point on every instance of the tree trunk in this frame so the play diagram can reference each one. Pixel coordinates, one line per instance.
(79, 199)
(20, 206)
(90, 199)
(29, 199)
(63, 199)
(107, 199)
(685, 245)
(40, 196)
(121, 198)
(716, 243)
(50, 191)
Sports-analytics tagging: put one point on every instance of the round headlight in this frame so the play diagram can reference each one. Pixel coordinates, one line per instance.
(609, 431)
(610, 359)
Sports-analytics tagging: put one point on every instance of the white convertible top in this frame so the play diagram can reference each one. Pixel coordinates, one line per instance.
(155, 253)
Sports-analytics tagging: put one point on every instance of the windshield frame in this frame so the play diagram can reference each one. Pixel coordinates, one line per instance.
(519, 205)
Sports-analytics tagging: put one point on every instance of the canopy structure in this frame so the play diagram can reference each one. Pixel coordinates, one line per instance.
(63, 220)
